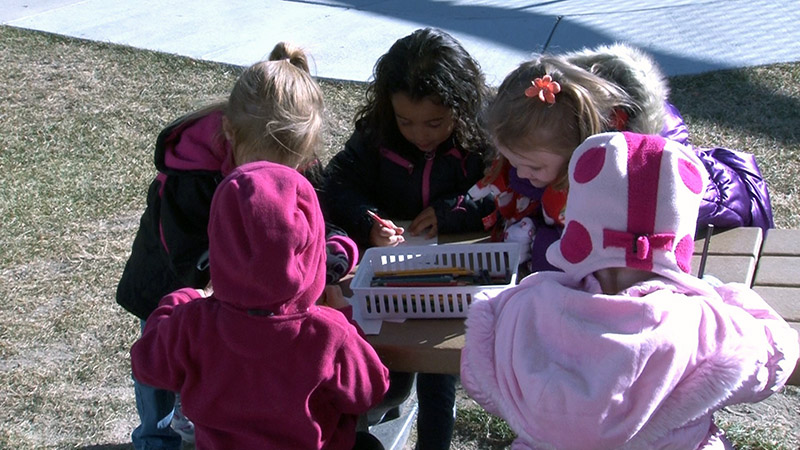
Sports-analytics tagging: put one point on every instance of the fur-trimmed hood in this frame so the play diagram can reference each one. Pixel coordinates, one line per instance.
(636, 73)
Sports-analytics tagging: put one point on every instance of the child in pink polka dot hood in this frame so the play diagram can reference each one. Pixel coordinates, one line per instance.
(625, 348)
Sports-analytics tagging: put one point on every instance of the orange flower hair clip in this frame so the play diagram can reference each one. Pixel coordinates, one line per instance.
(544, 88)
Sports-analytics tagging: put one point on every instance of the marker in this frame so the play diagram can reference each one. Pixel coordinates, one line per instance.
(381, 221)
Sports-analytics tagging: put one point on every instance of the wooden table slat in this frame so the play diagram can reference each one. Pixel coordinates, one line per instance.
(728, 268)
(421, 345)
(785, 301)
(778, 271)
(781, 242)
(737, 241)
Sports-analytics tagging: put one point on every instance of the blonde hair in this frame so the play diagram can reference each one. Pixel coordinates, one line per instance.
(275, 111)
(584, 107)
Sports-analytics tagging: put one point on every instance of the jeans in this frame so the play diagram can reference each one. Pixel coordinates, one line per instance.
(436, 397)
(155, 408)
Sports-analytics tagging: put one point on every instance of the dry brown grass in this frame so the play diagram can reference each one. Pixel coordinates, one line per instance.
(77, 124)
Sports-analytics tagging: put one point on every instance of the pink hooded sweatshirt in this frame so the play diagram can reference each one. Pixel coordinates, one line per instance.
(258, 364)
(569, 367)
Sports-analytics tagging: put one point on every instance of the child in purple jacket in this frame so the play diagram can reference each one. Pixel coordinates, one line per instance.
(625, 348)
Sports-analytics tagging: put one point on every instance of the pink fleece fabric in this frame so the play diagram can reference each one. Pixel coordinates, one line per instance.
(338, 244)
(570, 367)
(633, 202)
(266, 222)
(258, 364)
(202, 147)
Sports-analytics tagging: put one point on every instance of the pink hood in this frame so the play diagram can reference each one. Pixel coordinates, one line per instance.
(266, 240)
(197, 145)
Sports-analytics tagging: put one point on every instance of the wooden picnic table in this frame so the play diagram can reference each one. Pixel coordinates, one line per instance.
(736, 255)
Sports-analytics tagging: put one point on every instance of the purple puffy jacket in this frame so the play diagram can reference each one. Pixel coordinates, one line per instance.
(737, 194)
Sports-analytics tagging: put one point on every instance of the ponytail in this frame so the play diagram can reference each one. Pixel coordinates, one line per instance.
(294, 54)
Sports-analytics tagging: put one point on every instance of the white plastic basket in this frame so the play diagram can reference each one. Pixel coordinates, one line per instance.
(498, 259)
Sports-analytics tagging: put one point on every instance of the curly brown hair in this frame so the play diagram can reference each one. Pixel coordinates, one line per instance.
(428, 63)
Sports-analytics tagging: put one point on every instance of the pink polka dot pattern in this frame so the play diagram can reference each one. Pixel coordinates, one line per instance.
(589, 165)
(690, 176)
(576, 243)
(683, 253)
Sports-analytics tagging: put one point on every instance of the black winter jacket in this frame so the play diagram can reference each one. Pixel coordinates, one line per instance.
(399, 182)
(172, 233)
(169, 250)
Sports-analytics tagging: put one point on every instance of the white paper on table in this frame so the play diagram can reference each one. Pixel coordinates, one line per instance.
(394, 320)
(370, 327)
(421, 239)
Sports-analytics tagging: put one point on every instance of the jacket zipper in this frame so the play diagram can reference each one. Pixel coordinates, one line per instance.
(426, 171)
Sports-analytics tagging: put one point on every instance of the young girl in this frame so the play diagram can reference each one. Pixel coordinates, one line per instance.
(417, 146)
(547, 107)
(275, 113)
(625, 348)
(416, 149)
(257, 363)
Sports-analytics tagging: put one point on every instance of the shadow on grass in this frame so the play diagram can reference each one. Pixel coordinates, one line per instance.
(123, 447)
(741, 99)
(108, 447)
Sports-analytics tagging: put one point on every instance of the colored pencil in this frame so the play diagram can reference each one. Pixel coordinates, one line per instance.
(425, 271)
(381, 221)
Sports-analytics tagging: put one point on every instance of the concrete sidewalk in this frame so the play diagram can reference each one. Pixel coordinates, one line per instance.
(346, 37)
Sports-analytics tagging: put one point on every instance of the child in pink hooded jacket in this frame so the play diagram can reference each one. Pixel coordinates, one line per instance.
(257, 363)
(624, 349)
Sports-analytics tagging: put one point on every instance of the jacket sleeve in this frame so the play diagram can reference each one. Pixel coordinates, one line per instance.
(737, 194)
(763, 329)
(185, 208)
(361, 380)
(459, 212)
(349, 187)
(544, 236)
(156, 356)
(674, 126)
(462, 214)
(341, 253)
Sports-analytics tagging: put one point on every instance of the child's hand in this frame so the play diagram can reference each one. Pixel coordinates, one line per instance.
(333, 297)
(386, 236)
(521, 232)
(425, 220)
(206, 291)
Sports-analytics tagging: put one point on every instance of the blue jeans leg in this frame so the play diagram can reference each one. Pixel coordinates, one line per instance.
(436, 394)
(155, 407)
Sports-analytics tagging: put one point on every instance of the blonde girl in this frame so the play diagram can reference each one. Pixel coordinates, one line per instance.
(548, 106)
(275, 113)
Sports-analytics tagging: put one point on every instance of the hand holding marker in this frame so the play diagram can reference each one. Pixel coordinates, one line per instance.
(384, 223)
